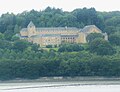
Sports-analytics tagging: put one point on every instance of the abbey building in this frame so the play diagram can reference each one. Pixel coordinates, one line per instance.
(57, 35)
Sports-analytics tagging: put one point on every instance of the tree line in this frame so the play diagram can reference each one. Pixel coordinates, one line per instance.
(65, 64)
(10, 24)
(98, 57)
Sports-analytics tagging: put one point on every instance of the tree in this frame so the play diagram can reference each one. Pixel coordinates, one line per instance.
(48, 46)
(88, 17)
(93, 36)
(5, 44)
(35, 47)
(2, 36)
(7, 22)
(8, 34)
(101, 47)
(114, 39)
(70, 47)
(20, 45)
(113, 21)
(110, 29)
(16, 29)
(15, 38)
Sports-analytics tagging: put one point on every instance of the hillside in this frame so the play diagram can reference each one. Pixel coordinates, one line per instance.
(22, 59)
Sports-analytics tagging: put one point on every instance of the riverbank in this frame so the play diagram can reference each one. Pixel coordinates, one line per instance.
(57, 82)
(65, 79)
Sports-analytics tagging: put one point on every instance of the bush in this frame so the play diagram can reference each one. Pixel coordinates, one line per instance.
(48, 46)
(114, 39)
(101, 47)
(70, 48)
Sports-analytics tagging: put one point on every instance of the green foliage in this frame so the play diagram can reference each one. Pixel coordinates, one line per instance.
(93, 36)
(79, 64)
(2, 37)
(110, 29)
(51, 17)
(101, 47)
(20, 45)
(34, 47)
(115, 39)
(70, 48)
(87, 16)
(22, 59)
(5, 44)
(48, 46)
(15, 38)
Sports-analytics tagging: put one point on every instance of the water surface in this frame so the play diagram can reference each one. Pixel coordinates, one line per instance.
(62, 86)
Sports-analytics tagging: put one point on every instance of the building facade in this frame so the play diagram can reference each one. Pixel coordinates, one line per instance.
(57, 35)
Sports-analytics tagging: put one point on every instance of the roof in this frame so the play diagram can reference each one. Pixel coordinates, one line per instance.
(46, 35)
(36, 36)
(69, 35)
(51, 28)
(57, 28)
(30, 24)
(23, 29)
(89, 27)
(51, 35)
(54, 29)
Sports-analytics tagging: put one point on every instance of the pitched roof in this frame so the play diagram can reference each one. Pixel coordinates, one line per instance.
(57, 29)
(36, 36)
(50, 28)
(89, 27)
(46, 35)
(54, 29)
(30, 24)
(23, 29)
(69, 35)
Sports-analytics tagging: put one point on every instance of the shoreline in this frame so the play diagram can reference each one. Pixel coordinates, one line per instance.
(58, 82)
(62, 79)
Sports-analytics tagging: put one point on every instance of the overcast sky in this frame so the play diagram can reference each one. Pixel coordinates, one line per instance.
(18, 6)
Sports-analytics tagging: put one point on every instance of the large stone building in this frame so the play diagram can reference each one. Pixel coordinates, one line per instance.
(57, 35)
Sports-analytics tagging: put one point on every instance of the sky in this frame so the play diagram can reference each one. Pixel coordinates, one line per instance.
(18, 6)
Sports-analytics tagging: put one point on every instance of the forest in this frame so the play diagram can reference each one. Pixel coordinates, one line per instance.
(25, 60)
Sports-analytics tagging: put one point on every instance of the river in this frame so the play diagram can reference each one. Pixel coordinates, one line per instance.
(100, 85)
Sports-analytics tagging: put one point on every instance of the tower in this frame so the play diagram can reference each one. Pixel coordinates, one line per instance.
(31, 29)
